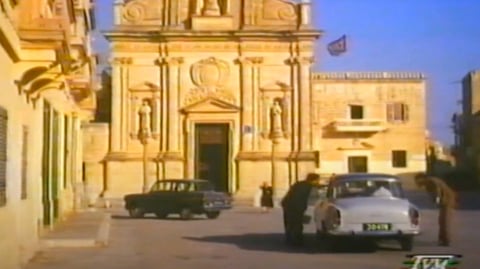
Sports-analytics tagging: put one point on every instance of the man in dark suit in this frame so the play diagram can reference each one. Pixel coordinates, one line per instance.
(445, 198)
(294, 205)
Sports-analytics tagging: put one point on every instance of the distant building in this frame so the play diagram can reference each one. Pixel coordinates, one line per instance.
(215, 85)
(467, 126)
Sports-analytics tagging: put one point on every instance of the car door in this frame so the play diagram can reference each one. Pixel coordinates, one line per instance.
(159, 198)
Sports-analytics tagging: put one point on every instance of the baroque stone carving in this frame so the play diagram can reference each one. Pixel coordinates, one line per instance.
(210, 76)
(142, 10)
(279, 10)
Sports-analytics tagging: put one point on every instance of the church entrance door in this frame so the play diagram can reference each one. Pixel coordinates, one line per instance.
(212, 154)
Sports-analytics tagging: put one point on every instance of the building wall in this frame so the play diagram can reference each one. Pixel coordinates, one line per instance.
(193, 76)
(376, 135)
(27, 90)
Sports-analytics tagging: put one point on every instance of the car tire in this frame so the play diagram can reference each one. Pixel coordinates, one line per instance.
(406, 243)
(136, 212)
(186, 214)
(161, 215)
(213, 215)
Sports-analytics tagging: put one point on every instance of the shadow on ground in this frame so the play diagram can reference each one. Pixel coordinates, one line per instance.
(151, 217)
(466, 200)
(274, 242)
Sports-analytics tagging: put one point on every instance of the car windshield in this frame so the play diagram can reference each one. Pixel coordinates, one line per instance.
(366, 188)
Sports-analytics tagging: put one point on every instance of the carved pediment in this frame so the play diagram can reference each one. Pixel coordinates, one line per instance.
(145, 87)
(143, 12)
(211, 105)
(276, 86)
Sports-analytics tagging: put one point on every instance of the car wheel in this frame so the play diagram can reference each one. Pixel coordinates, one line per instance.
(213, 215)
(186, 214)
(406, 243)
(161, 215)
(136, 212)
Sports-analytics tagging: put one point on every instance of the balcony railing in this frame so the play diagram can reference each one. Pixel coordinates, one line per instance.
(359, 125)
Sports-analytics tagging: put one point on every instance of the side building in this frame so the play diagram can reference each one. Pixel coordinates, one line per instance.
(45, 95)
(370, 122)
(467, 127)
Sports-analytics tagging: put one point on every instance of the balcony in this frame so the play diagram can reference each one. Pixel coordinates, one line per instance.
(359, 125)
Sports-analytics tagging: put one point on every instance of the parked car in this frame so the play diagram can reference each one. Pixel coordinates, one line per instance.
(369, 206)
(183, 197)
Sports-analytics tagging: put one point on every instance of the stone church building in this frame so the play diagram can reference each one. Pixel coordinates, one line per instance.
(224, 90)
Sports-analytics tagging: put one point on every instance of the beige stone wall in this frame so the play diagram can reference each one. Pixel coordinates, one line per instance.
(27, 73)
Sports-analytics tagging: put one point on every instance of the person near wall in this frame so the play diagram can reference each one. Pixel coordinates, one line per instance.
(266, 199)
(445, 198)
(294, 205)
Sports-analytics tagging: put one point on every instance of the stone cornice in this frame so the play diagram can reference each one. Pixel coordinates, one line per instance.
(158, 35)
(368, 76)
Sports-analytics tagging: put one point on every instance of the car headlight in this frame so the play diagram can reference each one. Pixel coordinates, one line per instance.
(414, 216)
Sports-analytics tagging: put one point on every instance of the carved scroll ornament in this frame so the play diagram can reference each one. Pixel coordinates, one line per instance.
(137, 11)
(279, 10)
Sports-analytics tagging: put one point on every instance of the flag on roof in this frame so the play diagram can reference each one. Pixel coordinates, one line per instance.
(338, 46)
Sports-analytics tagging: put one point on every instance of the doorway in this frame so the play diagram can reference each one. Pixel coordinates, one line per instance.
(357, 164)
(212, 154)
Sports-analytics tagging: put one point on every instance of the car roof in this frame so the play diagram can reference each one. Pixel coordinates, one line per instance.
(363, 176)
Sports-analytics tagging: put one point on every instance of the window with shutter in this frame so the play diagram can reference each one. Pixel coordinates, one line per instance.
(3, 155)
(399, 158)
(397, 112)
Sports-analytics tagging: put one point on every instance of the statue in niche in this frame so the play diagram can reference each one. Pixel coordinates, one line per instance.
(276, 115)
(145, 112)
(213, 7)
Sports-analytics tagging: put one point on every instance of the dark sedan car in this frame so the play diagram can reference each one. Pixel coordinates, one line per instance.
(183, 197)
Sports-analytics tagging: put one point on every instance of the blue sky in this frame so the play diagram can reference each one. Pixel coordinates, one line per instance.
(440, 38)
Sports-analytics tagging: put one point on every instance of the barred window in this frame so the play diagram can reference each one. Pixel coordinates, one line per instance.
(24, 162)
(397, 112)
(3, 155)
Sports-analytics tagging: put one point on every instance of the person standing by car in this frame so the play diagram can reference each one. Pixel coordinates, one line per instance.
(445, 198)
(266, 199)
(294, 205)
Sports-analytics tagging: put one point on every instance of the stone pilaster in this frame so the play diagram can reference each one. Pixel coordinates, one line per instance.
(162, 113)
(304, 86)
(257, 61)
(173, 103)
(246, 67)
(116, 102)
(123, 102)
(156, 114)
(295, 103)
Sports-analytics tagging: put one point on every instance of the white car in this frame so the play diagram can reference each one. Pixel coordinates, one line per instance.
(369, 206)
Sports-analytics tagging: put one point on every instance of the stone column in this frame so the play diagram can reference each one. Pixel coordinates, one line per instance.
(305, 14)
(173, 105)
(246, 66)
(304, 87)
(115, 127)
(156, 114)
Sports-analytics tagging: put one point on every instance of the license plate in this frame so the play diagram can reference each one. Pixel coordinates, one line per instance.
(376, 227)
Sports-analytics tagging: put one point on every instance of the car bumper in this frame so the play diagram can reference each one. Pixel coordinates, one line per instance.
(399, 233)
(211, 208)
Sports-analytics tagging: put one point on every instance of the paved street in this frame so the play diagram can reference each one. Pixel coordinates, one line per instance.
(244, 238)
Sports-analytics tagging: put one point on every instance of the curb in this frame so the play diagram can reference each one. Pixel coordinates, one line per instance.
(101, 239)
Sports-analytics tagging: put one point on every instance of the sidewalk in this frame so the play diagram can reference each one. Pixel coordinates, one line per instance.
(86, 228)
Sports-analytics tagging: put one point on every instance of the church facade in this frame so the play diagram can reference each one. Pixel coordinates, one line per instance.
(224, 91)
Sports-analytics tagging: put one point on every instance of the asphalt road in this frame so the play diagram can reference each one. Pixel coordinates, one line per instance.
(246, 238)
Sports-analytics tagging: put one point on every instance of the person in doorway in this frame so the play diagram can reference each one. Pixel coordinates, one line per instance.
(294, 205)
(445, 198)
(266, 199)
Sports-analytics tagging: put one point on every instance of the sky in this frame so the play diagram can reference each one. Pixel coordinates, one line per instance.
(440, 38)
